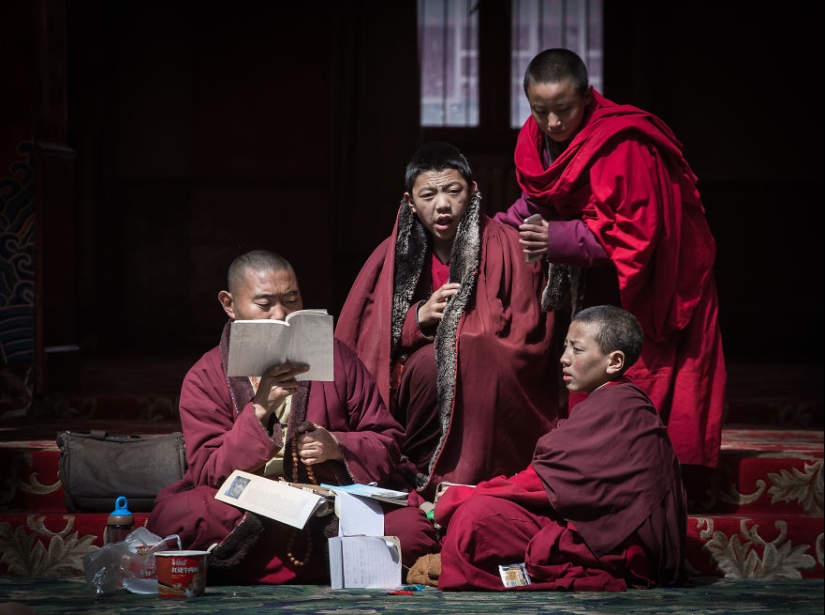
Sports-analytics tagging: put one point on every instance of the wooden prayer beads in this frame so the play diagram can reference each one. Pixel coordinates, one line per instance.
(296, 461)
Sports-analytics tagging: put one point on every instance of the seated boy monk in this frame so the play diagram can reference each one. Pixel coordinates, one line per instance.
(600, 507)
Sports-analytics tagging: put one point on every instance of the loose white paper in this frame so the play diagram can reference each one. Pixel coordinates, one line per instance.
(364, 562)
(358, 516)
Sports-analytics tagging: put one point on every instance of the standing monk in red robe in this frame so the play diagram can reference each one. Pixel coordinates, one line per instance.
(623, 223)
(448, 318)
(600, 508)
(336, 432)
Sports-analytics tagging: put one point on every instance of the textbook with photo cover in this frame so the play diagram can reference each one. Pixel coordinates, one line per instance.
(304, 336)
(276, 499)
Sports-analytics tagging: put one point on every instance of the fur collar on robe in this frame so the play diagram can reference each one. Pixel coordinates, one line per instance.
(411, 249)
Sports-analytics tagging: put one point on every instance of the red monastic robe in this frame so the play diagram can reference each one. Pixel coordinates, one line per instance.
(222, 433)
(493, 349)
(623, 175)
(601, 507)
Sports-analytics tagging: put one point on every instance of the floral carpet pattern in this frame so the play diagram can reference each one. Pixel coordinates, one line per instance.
(707, 597)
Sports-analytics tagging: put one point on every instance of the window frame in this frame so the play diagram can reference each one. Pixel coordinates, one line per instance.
(494, 25)
(495, 85)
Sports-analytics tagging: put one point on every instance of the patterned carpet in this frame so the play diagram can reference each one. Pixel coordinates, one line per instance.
(708, 597)
(755, 541)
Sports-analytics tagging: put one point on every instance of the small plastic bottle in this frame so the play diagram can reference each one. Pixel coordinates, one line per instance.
(120, 523)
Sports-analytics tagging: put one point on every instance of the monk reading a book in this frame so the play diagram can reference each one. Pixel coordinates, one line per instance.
(336, 432)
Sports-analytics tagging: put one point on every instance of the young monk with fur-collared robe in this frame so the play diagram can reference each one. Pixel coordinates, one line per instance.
(447, 316)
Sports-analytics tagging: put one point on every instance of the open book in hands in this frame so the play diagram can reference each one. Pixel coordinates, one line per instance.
(304, 337)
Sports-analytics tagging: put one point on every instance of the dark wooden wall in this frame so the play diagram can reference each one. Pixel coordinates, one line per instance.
(206, 132)
(742, 88)
(202, 130)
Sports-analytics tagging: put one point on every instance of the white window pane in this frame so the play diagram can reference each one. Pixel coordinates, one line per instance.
(448, 45)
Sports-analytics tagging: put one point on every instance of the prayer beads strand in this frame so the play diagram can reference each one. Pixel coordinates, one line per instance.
(296, 459)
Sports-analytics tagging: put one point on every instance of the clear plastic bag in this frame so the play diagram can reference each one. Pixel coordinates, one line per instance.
(127, 564)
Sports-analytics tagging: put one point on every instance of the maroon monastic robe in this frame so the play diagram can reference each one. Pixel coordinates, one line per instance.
(222, 434)
(624, 177)
(601, 507)
(494, 371)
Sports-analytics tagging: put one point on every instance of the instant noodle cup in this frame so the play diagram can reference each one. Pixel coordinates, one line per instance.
(181, 574)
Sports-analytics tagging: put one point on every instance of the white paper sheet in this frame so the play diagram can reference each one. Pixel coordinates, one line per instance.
(358, 516)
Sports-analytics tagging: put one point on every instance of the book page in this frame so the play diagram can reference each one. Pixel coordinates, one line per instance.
(304, 337)
(358, 516)
(270, 498)
(370, 491)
